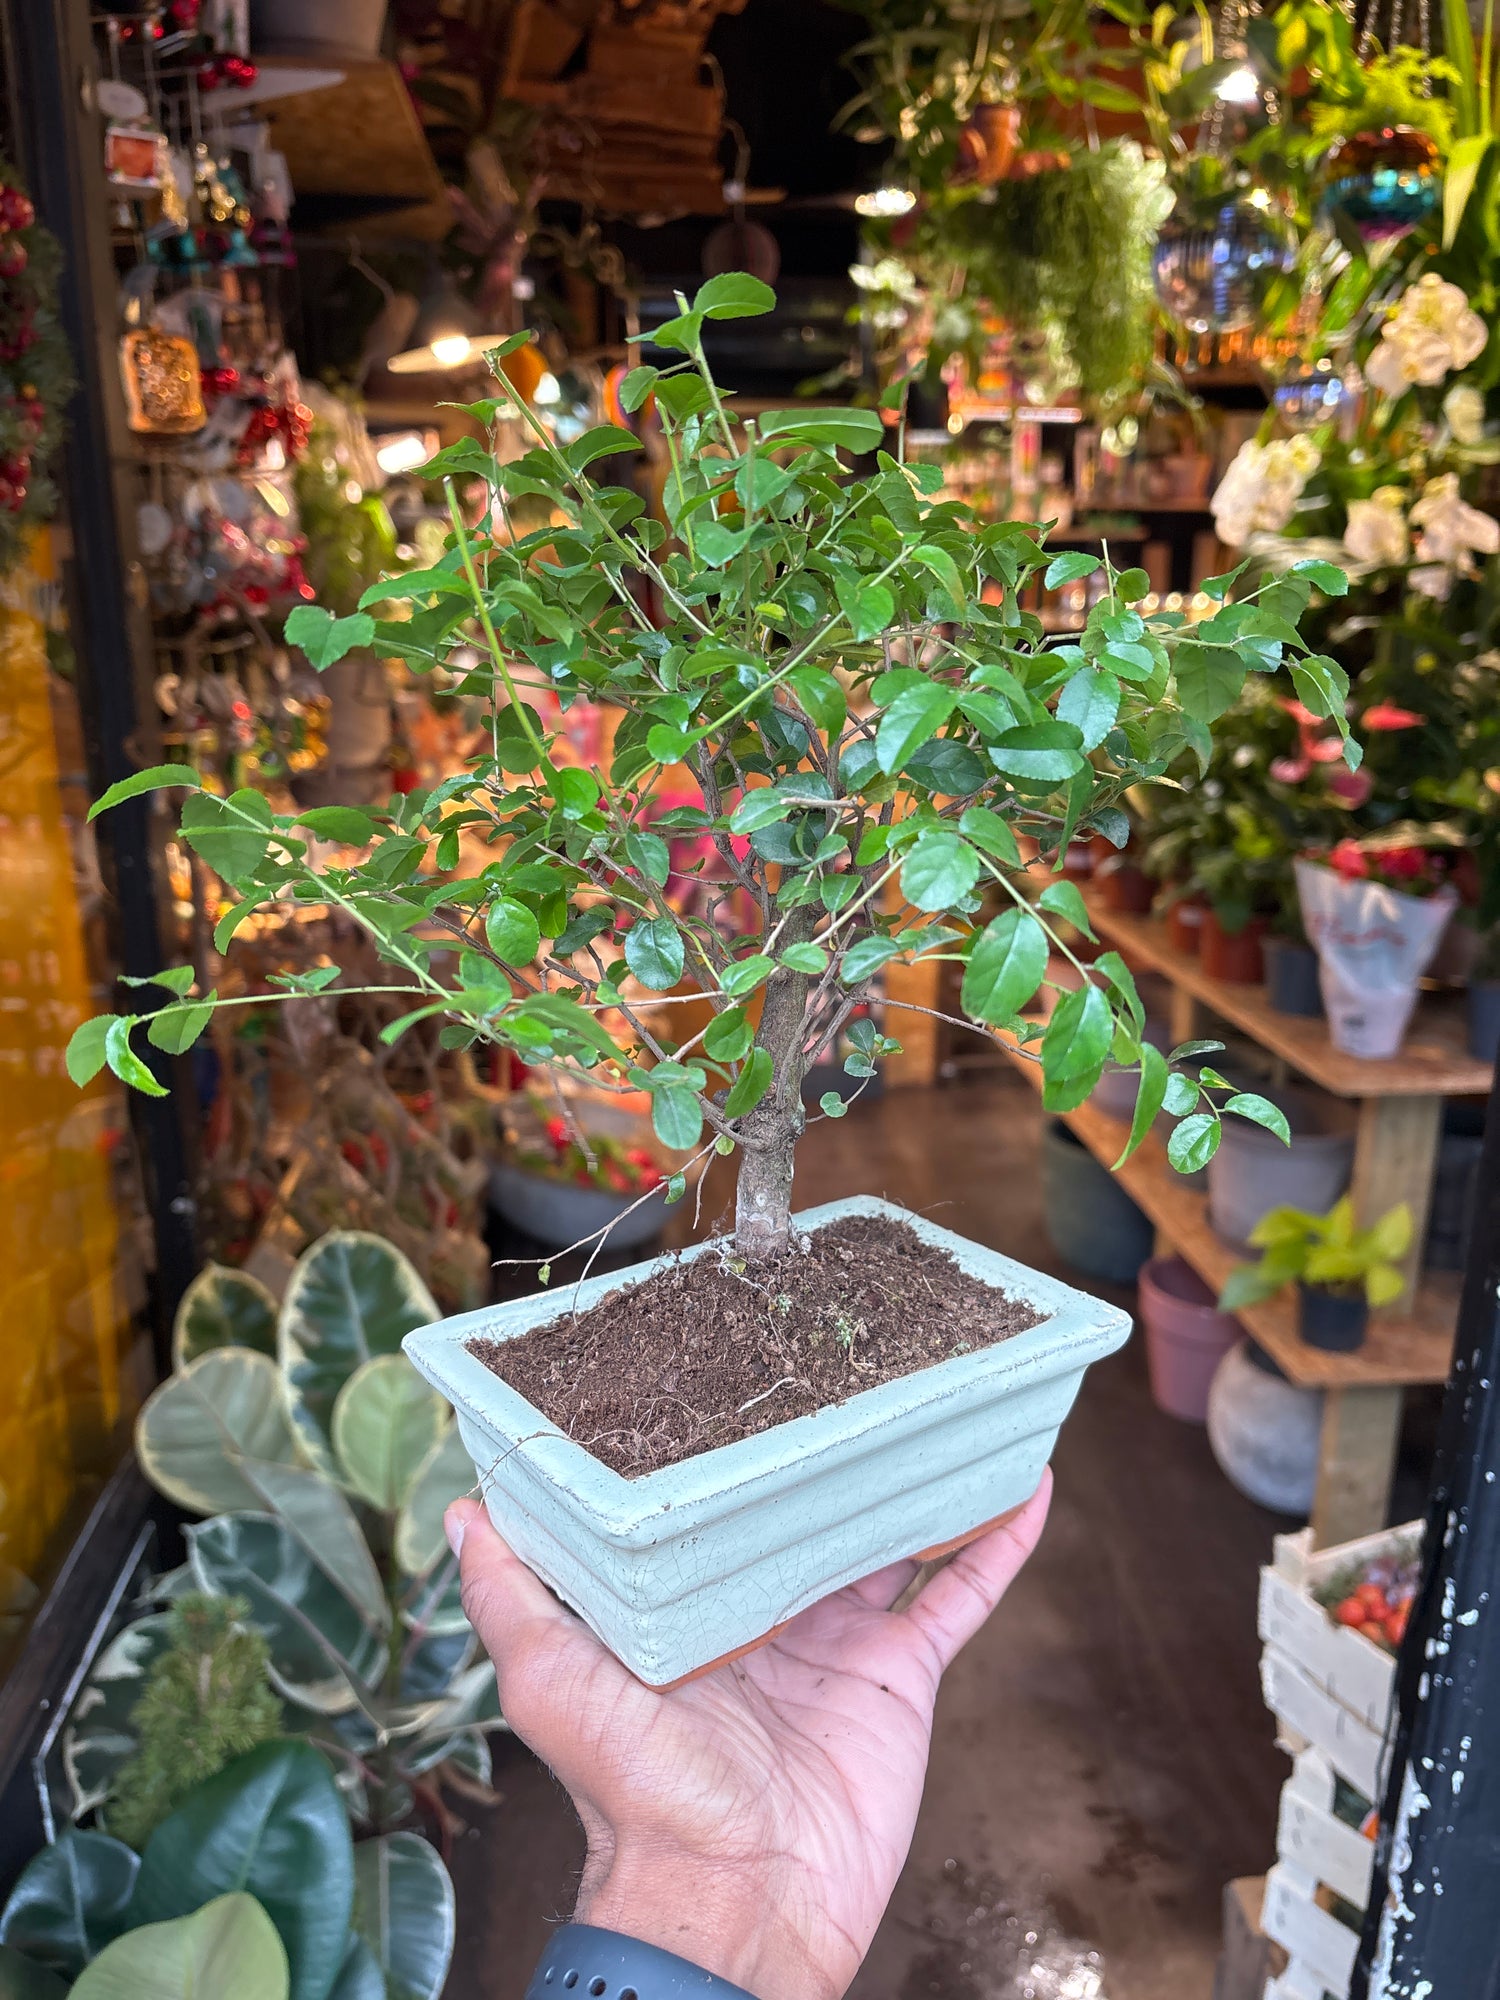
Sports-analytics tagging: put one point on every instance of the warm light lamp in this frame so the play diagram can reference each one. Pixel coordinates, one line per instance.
(446, 335)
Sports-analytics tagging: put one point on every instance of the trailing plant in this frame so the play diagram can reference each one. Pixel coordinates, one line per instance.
(1328, 1252)
(205, 1701)
(319, 1464)
(250, 1889)
(868, 732)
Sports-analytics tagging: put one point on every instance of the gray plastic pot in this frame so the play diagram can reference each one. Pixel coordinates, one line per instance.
(352, 27)
(1265, 1433)
(1253, 1172)
(1292, 977)
(1093, 1223)
(563, 1213)
(680, 1568)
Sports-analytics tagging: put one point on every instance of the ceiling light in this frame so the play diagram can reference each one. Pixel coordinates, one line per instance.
(446, 334)
(403, 452)
(451, 349)
(885, 202)
(1241, 86)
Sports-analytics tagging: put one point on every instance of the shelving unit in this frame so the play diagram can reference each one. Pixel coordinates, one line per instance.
(1398, 1123)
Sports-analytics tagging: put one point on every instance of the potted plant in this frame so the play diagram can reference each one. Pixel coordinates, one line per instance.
(722, 1439)
(1340, 1270)
(565, 1181)
(1375, 912)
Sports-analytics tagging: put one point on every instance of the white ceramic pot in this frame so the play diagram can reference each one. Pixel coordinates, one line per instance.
(682, 1567)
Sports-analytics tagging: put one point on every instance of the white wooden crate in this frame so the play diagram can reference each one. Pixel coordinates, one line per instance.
(1311, 1836)
(1311, 1936)
(1298, 1982)
(1357, 1673)
(1307, 1714)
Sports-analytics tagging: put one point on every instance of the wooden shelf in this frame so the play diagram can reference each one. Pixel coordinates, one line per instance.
(1401, 1350)
(1432, 1062)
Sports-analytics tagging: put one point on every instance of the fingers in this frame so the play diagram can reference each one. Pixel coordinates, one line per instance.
(511, 1609)
(880, 1591)
(951, 1609)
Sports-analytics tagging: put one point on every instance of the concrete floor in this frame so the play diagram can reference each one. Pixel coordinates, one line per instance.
(1101, 1763)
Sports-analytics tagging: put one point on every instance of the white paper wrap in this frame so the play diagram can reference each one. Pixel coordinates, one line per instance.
(1373, 945)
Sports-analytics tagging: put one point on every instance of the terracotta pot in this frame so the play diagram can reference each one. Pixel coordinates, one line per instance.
(1233, 956)
(1185, 924)
(1186, 1337)
(1127, 889)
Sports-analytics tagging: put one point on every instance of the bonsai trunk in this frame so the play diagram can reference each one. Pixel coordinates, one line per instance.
(769, 1133)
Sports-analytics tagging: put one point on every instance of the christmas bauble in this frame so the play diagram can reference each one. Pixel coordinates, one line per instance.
(1214, 275)
(16, 211)
(1385, 182)
(13, 257)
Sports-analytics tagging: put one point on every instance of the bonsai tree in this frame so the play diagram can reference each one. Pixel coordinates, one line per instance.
(860, 680)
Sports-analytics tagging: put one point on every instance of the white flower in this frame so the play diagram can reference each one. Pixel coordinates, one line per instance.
(1451, 528)
(1432, 580)
(1432, 331)
(1262, 486)
(1377, 528)
(1463, 406)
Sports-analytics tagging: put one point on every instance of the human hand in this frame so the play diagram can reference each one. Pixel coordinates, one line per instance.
(753, 1820)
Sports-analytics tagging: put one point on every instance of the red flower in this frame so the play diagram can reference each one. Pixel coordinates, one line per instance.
(1302, 715)
(1351, 788)
(558, 1134)
(1385, 715)
(1326, 750)
(1405, 863)
(1290, 770)
(1349, 860)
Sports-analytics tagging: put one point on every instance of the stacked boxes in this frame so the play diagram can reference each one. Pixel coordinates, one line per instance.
(1330, 1687)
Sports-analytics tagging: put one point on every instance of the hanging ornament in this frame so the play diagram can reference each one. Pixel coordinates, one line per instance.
(163, 395)
(987, 145)
(1309, 394)
(1385, 182)
(1213, 276)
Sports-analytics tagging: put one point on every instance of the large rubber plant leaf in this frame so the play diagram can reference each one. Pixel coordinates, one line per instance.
(323, 1651)
(70, 1901)
(360, 1976)
(385, 1423)
(446, 1475)
(99, 1735)
(351, 1297)
(23, 1979)
(271, 1823)
(228, 1950)
(223, 1308)
(404, 1910)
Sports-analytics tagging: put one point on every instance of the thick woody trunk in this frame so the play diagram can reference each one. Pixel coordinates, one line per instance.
(763, 1201)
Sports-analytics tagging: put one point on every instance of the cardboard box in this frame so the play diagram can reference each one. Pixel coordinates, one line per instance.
(1313, 1937)
(1353, 1669)
(1310, 1835)
(1310, 1715)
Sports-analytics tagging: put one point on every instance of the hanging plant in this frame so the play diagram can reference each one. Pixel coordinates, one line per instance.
(36, 374)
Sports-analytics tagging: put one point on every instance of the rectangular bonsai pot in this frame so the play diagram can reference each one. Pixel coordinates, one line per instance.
(684, 1566)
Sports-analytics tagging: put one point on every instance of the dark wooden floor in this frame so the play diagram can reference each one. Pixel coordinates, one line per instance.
(1102, 1763)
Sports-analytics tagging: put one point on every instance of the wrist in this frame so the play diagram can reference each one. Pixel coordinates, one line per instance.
(712, 1915)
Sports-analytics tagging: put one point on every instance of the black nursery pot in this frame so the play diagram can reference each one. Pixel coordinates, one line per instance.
(1292, 977)
(1332, 1320)
(1484, 1019)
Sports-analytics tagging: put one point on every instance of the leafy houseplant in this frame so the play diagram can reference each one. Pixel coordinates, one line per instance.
(1340, 1270)
(850, 673)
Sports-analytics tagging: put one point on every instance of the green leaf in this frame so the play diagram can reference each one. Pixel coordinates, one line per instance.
(939, 871)
(351, 1297)
(855, 430)
(864, 959)
(1194, 1142)
(175, 1029)
(1074, 1048)
(1182, 1094)
(200, 1425)
(762, 807)
(273, 1823)
(821, 697)
(123, 1059)
(346, 824)
(676, 1116)
(869, 607)
(1070, 567)
(386, 1421)
(360, 1976)
(941, 566)
(576, 792)
(1209, 679)
(808, 958)
(1327, 576)
(70, 1900)
(176, 979)
(1459, 176)
(751, 1085)
(745, 975)
(603, 441)
(223, 1308)
(918, 712)
(512, 932)
(988, 830)
(1050, 751)
(1090, 701)
(159, 778)
(667, 744)
(324, 638)
(832, 1105)
(445, 1475)
(323, 1651)
(404, 1910)
(650, 854)
(655, 953)
(232, 835)
(86, 1049)
(23, 1979)
(1063, 899)
(1149, 1098)
(637, 386)
(728, 1036)
(682, 333)
(229, 1950)
(1005, 967)
(734, 295)
(1322, 685)
(1260, 1111)
(1248, 1285)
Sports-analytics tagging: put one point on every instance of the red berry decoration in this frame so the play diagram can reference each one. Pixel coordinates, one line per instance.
(240, 71)
(16, 210)
(185, 14)
(14, 257)
(209, 75)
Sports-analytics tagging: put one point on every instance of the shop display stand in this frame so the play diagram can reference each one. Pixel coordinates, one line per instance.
(1399, 1117)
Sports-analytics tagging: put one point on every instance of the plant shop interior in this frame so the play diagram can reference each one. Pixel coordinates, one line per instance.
(843, 655)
